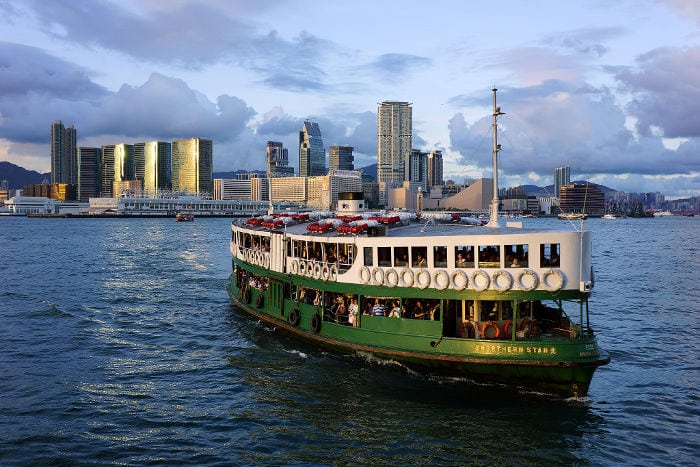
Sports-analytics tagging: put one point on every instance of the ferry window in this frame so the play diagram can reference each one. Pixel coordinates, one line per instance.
(549, 254)
(490, 256)
(369, 259)
(400, 256)
(331, 256)
(440, 256)
(419, 256)
(384, 253)
(346, 256)
(516, 256)
(464, 257)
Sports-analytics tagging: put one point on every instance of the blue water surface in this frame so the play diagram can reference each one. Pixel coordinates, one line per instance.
(118, 344)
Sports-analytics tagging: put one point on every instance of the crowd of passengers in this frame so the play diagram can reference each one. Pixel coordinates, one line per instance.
(345, 308)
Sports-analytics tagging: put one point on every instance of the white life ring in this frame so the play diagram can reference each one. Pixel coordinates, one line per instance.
(460, 280)
(498, 285)
(378, 276)
(391, 277)
(485, 279)
(294, 267)
(266, 257)
(406, 277)
(422, 272)
(325, 272)
(365, 274)
(302, 267)
(555, 284)
(314, 271)
(333, 274)
(533, 282)
(441, 279)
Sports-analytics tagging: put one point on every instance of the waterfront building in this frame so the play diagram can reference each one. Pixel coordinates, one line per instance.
(64, 154)
(341, 158)
(192, 166)
(152, 165)
(394, 142)
(277, 161)
(226, 188)
(562, 176)
(476, 197)
(89, 173)
(582, 198)
(290, 189)
(312, 154)
(323, 191)
(107, 171)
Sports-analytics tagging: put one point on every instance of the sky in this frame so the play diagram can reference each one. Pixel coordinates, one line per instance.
(610, 89)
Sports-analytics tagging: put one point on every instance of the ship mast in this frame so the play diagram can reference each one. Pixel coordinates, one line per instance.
(493, 211)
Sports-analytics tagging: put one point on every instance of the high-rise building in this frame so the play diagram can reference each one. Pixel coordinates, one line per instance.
(435, 176)
(562, 176)
(152, 165)
(89, 173)
(418, 168)
(312, 154)
(277, 161)
(192, 166)
(107, 171)
(394, 134)
(64, 154)
(341, 157)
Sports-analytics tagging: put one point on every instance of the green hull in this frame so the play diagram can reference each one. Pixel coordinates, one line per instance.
(554, 365)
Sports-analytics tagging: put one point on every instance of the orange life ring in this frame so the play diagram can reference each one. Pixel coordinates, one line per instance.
(486, 326)
(507, 329)
(467, 330)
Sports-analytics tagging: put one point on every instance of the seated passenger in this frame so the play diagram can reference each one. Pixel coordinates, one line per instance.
(395, 310)
(461, 261)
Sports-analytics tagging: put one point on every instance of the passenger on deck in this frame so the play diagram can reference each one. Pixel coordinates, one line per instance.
(515, 263)
(461, 262)
(378, 309)
(420, 261)
(395, 310)
(352, 312)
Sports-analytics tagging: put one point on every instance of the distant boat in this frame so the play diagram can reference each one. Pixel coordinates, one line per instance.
(184, 217)
(662, 213)
(573, 215)
(609, 216)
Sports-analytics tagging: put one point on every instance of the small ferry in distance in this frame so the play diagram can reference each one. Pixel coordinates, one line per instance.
(184, 216)
(571, 216)
(442, 294)
(610, 217)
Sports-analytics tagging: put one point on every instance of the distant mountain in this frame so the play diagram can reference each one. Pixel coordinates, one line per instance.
(370, 170)
(17, 176)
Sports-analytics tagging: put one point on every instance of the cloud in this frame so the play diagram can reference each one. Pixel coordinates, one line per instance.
(395, 65)
(557, 124)
(666, 89)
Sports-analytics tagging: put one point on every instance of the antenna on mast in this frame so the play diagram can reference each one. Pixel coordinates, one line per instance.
(493, 210)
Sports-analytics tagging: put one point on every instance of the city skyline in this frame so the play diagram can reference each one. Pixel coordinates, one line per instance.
(587, 85)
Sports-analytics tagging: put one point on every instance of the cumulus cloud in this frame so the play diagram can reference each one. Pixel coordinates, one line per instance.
(558, 124)
(666, 89)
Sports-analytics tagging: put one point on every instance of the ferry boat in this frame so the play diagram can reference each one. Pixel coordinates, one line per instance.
(571, 216)
(185, 216)
(443, 294)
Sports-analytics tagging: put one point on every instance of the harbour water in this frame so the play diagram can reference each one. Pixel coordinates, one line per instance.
(118, 344)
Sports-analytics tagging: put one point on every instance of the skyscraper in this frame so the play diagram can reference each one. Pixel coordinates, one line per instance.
(340, 157)
(192, 170)
(312, 154)
(562, 176)
(394, 134)
(418, 168)
(64, 154)
(435, 176)
(107, 178)
(277, 160)
(89, 176)
(152, 165)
